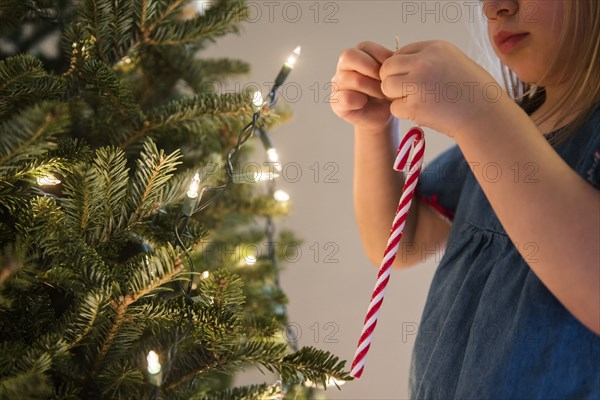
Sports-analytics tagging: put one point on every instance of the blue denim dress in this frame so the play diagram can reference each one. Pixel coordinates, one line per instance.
(490, 328)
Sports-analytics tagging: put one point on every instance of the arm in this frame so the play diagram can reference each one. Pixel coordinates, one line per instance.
(357, 98)
(560, 212)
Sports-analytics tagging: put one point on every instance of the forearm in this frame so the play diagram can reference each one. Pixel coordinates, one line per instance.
(377, 190)
(556, 210)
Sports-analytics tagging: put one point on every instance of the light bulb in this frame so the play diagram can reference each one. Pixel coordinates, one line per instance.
(257, 100)
(273, 157)
(291, 61)
(47, 180)
(193, 189)
(266, 177)
(153, 363)
(281, 196)
(202, 6)
(254, 177)
(331, 381)
(204, 275)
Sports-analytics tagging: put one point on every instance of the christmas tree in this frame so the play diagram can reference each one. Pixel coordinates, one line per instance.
(125, 210)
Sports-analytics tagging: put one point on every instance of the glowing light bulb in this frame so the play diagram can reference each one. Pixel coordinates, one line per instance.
(202, 6)
(266, 177)
(254, 177)
(273, 157)
(331, 381)
(257, 100)
(204, 275)
(193, 189)
(281, 196)
(291, 61)
(250, 260)
(153, 363)
(47, 180)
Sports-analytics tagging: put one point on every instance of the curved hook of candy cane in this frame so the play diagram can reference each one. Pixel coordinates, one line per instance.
(413, 139)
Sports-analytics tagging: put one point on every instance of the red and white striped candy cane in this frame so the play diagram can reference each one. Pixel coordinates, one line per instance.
(414, 139)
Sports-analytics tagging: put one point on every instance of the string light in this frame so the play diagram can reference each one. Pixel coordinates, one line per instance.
(287, 67)
(154, 366)
(273, 158)
(291, 61)
(202, 6)
(193, 189)
(257, 101)
(331, 381)
(47, 180)
(281, 196)
(192, 196)
(254, 177)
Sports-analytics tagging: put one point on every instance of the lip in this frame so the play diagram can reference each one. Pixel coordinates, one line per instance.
(505, 40)
(502, 36)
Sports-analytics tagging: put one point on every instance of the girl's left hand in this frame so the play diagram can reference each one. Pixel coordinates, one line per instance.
(434, 84)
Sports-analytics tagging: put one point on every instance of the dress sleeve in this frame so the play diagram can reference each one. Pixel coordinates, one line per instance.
(441, 182)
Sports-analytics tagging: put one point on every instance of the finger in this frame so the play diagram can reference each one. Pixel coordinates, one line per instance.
(346, 101)
(404, 109)
(359, 115)
(398, 86)
(378, 52)
(414, 48)
(398, 64)
(359, 61)
(351, 80)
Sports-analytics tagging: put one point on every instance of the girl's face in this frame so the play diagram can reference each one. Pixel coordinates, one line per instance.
(539, 20)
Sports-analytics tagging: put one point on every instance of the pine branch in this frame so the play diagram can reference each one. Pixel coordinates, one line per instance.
(111, 23)
(154, 169)
(111, 174)
(219, 20)
(24, 82)
(314, 364)
(19, 67)
(137, 292)
(74, 326)
(32, 132)
(266, 353)
(162, 268)
(109, 92)
(119, 310)
(122, 381)
(30, 382)
(174, 6)
(208, 110)
(251, 392)
(81, 202)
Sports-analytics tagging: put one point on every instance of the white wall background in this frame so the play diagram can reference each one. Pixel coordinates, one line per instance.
(328, 300)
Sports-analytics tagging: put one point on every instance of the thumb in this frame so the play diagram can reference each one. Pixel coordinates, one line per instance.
(375, 50)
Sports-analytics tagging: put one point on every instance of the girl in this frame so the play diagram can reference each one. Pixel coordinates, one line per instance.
(514, 306)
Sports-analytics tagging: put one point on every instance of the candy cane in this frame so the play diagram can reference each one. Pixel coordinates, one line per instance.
(414, 139)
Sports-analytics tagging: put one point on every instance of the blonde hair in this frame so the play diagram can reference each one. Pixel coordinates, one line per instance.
(576, 60)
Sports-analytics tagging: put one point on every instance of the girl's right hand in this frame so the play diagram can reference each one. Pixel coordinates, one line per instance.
(356, 96)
